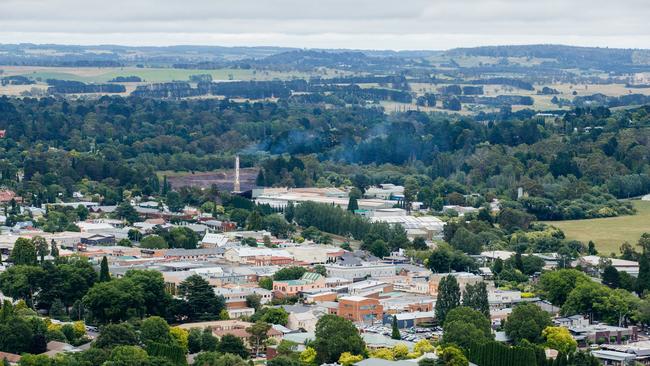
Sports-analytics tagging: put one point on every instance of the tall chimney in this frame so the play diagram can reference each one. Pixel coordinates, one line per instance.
(237, 188)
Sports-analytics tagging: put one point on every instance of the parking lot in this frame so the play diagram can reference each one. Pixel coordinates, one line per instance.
(411, 334)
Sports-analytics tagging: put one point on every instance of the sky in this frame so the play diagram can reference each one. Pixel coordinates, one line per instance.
(358, 24)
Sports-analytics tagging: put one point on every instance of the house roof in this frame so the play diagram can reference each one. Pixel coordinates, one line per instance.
(107, 209)
(378, 340)
(594, 260)
(354, 298)
(11, 357)
(214, 239)
(253, 252)
(179, 252)
(415, 315)
(311, 276)
(381, 362)
(613, 355)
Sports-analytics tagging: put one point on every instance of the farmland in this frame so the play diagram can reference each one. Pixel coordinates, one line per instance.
(609, 233)
(153, 75)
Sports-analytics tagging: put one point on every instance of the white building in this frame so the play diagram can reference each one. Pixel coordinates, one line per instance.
(314, 254)
(245, 254)
(280, 198)
(385, 191)
(362, 271)
(461, 210)
(213, 240)
(94, 227)
(428, 227)
(240, 313)
(593, 262)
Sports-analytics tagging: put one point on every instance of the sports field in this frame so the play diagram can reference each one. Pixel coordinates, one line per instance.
(609, 233)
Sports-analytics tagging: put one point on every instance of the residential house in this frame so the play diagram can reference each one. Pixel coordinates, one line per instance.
(233, 327)
(6, 195)
(12, 358)
(303, 317)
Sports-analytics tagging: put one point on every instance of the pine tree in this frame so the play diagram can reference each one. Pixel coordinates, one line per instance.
(54, 250)
(592, 248)
(104, 275)
(57, 310)
(497, 267)
(7, 311)
(353, 205)
(643, 279)
(396, 334)
(448, 297)
(476, 297)
(254, 221)
(260, 181)
(165, 186)
(41, 247)
(155, 183)
(23, 252)
(77, 311)
(610, 277)
(290, 212)
(519, 263)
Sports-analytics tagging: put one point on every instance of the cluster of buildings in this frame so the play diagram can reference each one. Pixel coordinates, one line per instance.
(366, 290)
(382, 203)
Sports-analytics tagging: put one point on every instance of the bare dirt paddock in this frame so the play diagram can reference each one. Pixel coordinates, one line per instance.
(223, 179)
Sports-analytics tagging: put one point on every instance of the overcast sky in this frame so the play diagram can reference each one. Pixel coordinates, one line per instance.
(363, 24)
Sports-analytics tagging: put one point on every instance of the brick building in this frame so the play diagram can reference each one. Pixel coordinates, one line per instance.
(360, 309)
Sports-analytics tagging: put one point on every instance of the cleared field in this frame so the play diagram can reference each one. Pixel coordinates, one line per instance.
(101, 75)
(609, 233)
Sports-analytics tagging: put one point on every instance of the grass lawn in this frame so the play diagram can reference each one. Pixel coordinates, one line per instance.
(609, 233)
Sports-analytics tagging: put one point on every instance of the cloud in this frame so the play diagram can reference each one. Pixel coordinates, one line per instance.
(419, 24)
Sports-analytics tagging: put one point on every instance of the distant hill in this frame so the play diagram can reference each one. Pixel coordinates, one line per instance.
(608, 59)
(548, 57)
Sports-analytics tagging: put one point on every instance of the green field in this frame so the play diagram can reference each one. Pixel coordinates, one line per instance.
(609, 233)
(102, 75)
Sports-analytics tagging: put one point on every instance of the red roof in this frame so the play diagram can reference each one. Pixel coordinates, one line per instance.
(6, 195)
(12, 358)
